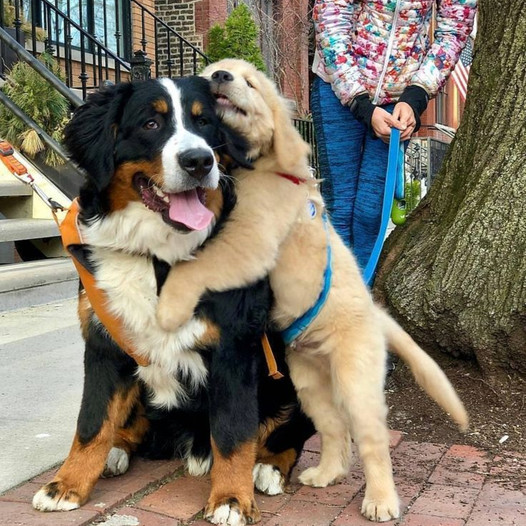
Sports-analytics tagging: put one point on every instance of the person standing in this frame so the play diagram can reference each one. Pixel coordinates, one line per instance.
(376, 69)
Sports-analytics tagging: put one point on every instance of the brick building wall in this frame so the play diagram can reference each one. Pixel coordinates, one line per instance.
(293, 19)
(180, 15)
(138, 20)
(209, 13)
(446, 108)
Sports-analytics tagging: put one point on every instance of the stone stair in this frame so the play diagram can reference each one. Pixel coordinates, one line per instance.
(34, 268)
(13, 188)
(20, 229)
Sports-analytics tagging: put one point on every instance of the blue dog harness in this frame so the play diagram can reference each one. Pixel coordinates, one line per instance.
(300, 324)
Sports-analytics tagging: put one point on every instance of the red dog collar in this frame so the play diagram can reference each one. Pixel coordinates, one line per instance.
(292, 178)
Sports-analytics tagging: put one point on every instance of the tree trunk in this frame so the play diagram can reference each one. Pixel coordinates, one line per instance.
(455, 274)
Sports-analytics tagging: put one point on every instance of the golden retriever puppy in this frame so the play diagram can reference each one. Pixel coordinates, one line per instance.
(279, 226)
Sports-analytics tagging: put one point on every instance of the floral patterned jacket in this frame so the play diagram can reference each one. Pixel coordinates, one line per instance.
(382, 46)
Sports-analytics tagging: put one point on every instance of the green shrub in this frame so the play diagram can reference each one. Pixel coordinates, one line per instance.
(40, 101)
(237, 39)
(9, 21)
(216, 41)
(9, 14)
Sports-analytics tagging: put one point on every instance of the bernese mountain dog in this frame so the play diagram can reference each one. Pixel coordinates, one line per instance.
(154, 153)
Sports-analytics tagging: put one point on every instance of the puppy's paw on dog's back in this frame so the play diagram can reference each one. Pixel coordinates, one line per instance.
(169, 316)
(56, 496)
(177, 302)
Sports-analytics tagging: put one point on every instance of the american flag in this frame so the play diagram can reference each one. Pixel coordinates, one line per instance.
(460, 74)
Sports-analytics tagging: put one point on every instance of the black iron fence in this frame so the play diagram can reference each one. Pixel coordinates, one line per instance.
(100, 40)
(306, 129)
(173, 55)
(85, 57)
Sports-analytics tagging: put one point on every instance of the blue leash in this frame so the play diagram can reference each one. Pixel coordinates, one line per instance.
(394, 187)
(300, 324)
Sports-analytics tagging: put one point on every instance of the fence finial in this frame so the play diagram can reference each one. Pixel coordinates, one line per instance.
(140, 66)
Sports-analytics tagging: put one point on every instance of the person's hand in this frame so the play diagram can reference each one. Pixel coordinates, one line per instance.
(382, 122)
(405, 115)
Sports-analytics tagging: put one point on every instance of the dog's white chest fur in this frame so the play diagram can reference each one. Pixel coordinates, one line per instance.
(130, 285)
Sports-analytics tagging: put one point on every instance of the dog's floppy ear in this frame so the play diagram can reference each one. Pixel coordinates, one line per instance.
(290, 148)
(90, 135)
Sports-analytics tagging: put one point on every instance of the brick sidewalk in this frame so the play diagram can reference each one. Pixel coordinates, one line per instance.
(438, 486)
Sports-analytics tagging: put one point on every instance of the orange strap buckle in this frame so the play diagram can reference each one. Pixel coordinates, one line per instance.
(269, 357)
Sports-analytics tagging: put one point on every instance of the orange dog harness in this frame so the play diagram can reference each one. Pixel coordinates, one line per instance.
(71, 237)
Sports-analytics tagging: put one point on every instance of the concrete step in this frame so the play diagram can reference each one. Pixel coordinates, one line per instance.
(10, 188)
(37, 282)
(18, 229)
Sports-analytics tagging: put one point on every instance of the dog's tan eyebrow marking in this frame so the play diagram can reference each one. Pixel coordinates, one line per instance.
(197, 108)
(160, 106)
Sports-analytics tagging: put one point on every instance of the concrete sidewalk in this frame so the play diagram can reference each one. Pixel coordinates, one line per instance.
(41, 356)
(438, 485)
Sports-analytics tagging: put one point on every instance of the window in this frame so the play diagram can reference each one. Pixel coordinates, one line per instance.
(102, 19)
(441, 107)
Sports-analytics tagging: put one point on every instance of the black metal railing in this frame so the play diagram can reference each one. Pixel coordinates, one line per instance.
(306, 129)
(69, 185)
(173, 54)
(85, 60)
(102, 40)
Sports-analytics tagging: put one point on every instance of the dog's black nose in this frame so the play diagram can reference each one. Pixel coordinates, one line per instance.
(222, 76)
(197, 162)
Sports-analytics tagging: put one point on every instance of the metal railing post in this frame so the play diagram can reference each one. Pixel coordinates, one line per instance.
(141, 66)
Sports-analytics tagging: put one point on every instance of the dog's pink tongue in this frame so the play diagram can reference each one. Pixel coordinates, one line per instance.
(186, 208)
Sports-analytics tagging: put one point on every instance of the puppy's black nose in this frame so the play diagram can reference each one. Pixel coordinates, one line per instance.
(222, 76)
(197, 162)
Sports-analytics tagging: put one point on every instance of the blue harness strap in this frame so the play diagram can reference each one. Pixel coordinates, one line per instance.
(300, 324)
(394, 183)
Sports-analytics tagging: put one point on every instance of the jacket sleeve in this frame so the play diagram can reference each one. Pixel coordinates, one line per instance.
(454, 24)
(334, 26)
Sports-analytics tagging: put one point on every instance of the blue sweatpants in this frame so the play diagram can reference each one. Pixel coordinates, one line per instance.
(353, 167)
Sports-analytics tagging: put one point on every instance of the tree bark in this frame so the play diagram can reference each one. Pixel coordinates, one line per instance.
(455, 274)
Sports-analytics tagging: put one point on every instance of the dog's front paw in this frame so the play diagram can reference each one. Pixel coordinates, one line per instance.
(381, 509)
(173, 313)
(117, 463)
(268, 479)
(232, 512)
(56, 496)
(320, 478)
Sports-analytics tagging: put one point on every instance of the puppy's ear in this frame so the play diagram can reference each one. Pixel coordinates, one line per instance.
(235, 147)
(290, 148)
(90, 135)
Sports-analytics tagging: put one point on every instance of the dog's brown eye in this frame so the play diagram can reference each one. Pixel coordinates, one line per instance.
(202, 121)
(151, 125)
(249, 84)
